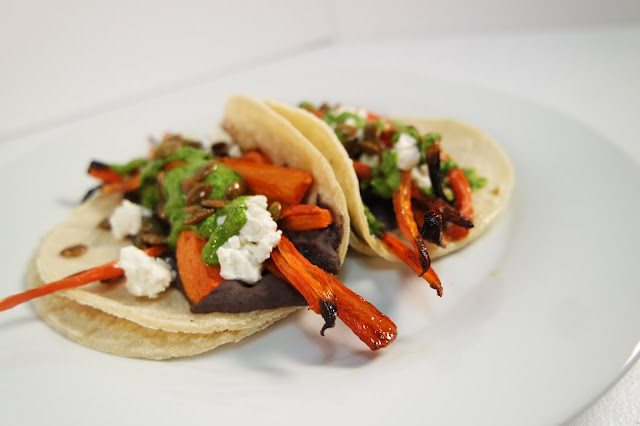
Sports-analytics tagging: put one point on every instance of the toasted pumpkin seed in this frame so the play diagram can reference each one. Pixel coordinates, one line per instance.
(198, 193)
(235, 189)
(199, 216)
(215, 203)
(276, 210)
(205, 170)
(76, 250)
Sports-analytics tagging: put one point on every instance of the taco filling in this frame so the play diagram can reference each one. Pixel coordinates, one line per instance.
(401, 183)
(244, 240)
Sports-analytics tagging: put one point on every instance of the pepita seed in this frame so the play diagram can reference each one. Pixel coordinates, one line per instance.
(154, 239)
(215, 203)
(276, 210)
(187, 184)
(220, 149)
(74, 251)
(370, 147)
(198, 193)
(199, 216)
(205, 170)
(235, 189)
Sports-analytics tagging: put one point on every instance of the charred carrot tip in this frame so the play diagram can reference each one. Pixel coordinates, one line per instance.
(103, 172)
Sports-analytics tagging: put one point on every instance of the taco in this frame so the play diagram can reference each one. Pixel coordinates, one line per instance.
(190, 248)
(437, 184)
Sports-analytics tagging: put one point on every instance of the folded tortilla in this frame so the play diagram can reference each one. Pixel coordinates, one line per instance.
(107, 317)
(468, 146)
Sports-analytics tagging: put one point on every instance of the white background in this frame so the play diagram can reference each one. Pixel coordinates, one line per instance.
(64, 59)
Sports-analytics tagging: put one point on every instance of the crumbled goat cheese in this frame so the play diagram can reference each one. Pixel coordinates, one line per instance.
(146, 275)
(350, 121)
(242, 255)
(126, 219)
(406, 149)
(420, 176)
(371, 160)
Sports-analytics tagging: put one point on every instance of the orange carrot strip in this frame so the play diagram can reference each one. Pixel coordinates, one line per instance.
(372, 116)
(409, 257)
(172, 165)
(198, 278)
(464, 204)
(103, 272)
(280, 183)
(406, 222)
(295, 268)
(104, 172)
(255, 156)
(365, 320)
(362, 170)
(304, 217)
(126, 185)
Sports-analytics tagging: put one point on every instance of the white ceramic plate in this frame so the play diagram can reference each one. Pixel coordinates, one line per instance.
(539, 316)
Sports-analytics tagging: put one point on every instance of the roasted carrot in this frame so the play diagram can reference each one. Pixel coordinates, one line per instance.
(280, 183)
(372, 116)
(172, 165)
(255, 156)
(371, 326)
(296, 269)
(130, 184)
(464, 204)
(198, 278)
(104, 172)
(99, 273)
(406, 222)
(362, 170)
(409, 257)
(364, 319)
(304, 217)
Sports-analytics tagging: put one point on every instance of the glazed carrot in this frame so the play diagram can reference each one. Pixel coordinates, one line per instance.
(297, 271)
(104, 172)
(198, 278)
(362, 170)
(406, 222)
(365, 320)
(99, 273)
(462, 191)
(130, 184)
(255, 156)
(372, 116)
(280, 183)
(409, 257)
(172, 165)
(304, 217)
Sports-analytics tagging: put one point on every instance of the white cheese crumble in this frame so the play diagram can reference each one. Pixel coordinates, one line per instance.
(126, 219)
(406, 149)
(241, 256)
(146, 275)
(371, 160)
(420, 176)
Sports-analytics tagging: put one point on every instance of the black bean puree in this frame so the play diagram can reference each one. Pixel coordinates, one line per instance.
(318, 246)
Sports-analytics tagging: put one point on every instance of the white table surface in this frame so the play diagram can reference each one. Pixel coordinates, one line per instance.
(590, 75)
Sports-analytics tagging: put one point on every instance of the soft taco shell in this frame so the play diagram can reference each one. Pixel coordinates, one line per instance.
(253, 125)
(467, 145)
(107, 317)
